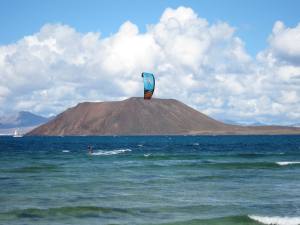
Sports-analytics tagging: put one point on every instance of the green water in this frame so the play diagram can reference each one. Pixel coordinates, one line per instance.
(150, 180)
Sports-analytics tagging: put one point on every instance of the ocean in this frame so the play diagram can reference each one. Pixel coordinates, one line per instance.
(150, 180)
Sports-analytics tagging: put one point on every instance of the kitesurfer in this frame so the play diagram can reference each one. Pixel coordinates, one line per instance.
(90, 149)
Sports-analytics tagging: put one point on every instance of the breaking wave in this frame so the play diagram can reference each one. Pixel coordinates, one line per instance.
(286, 163)
(112, 152)
(276, 220)
(241, 220)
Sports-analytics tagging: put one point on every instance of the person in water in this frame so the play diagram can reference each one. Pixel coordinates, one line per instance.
(90, 149)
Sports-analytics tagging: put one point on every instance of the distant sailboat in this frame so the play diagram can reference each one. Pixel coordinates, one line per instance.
(17, 134)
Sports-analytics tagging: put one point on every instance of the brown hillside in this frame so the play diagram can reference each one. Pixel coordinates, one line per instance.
(136, 116)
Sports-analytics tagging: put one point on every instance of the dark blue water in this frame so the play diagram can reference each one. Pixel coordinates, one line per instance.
(150, 180)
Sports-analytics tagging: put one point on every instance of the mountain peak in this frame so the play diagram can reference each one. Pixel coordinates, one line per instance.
(21, 119)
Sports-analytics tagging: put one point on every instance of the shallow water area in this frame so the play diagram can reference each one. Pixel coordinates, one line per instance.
(150, 180)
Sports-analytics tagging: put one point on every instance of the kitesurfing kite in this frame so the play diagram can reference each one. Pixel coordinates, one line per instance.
(149, 85)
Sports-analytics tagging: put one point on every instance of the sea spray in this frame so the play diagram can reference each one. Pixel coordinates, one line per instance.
(286, 163)
(276, 220)
(112, 152)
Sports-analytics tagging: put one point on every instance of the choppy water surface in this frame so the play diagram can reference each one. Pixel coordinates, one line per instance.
(150, 180)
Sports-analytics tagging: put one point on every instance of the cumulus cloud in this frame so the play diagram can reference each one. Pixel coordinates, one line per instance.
(204, 65)
(284, 43)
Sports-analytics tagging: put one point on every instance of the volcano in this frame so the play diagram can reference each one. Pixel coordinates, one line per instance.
(136, 116)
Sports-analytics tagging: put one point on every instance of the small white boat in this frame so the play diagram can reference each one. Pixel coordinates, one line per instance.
(17, 134)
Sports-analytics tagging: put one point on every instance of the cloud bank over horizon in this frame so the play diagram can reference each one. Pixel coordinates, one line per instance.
(203, 64)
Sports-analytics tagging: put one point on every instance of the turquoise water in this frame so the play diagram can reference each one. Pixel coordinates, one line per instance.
(150, 180)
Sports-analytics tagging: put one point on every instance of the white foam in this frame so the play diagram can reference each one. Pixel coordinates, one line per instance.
(65, 151)
(113, 152)
(286, 163)
(196, 144)
(147, 155)
(276, 220)
(140, 145)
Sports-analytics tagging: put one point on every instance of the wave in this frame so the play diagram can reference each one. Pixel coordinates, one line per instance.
(228, 165)
(112, 152)
(228, 220)
(240, 220)
(206, 164)
(256, 154)
(161, 155)
(241, 165)
(276, 220)
(94, 211)
(286, 163)
(75, 211)
(34, 169)
(65, 151)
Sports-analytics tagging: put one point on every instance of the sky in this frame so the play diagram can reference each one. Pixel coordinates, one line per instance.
(233, 60)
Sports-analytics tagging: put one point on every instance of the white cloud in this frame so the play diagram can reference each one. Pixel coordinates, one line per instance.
(204, 65)
(284, 42)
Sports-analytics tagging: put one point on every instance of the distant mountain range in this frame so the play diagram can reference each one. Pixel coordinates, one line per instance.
(23, 121)
(296, 125)
(136, 116)
(232, 122)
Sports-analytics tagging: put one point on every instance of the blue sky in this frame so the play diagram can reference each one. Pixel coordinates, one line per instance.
(233, 60)
(253, 19)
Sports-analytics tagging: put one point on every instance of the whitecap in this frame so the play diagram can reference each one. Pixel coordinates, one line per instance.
(286, 163)
(276, 220)
(147, 155)
(112, 152)
(140, 145)
(196, 144)
(65, 151)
